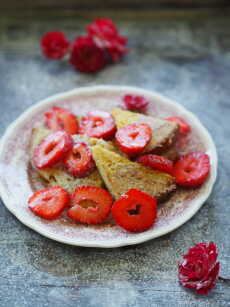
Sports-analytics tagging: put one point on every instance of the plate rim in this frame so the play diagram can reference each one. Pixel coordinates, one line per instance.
(138, 238)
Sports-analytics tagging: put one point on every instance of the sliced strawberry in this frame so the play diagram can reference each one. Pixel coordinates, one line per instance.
(192, 170)
(133, 138)
(135, 211)
(79, 161)
(98, 124)
(156, 163)
(184, 126)
(61, 119)
(49, 203)
(52, 149)
(90, 205)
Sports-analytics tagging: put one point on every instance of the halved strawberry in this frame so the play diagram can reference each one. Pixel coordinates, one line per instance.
(192, 170)
(184, 126)
(156, 162)
(133, 138)
(52, 149)
(49, 203)
(90, 205)
(79, 161)
(135, 211)
(98, 124)
(61, 119)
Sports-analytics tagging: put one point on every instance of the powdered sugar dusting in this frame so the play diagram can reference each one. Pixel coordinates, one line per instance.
(18, 180)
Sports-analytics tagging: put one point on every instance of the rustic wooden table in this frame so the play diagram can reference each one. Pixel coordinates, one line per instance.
(183, 55)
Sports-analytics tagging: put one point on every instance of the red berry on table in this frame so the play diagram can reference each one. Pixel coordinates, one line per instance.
(192, 170)
(98, 124)
(133, 138)
(135, 103)
(79, 161)
(49, 203)
(135, 211)
(105, 35)
(52, 149)
(90, 205)
(54, 45)
(61, 119)
(156, 162)
(86, 56)
(184, 126)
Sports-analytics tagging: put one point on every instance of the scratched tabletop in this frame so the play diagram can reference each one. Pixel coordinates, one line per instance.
(183, 55)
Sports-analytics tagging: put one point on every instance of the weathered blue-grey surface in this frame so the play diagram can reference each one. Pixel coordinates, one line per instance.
(186, 60)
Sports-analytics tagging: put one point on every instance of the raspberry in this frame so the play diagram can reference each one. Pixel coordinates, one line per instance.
(61, 119)
(79, 161)
(98, 124)
(192, 170)
(54, 45)
(135, 103)
(156, 163)
(52, 149)
(184, 126)
(90, 205)
(106, 36)
(135, 211)
(49, 203)
(86, 56)
(133, 138)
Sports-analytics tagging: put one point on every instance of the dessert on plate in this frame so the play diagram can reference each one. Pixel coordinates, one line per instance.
(119, 165)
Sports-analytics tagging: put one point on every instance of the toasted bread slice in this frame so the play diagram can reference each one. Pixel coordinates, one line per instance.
(57, 175)
(164, 132)
(120, 175)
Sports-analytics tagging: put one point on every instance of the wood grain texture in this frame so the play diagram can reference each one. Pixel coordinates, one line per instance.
(109, 4)
(185, 59)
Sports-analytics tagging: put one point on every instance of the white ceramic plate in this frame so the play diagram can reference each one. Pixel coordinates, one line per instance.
(17, 182)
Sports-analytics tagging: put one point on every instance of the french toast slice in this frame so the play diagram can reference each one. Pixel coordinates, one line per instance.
(164, 132)
(120, 175)
(57, 175)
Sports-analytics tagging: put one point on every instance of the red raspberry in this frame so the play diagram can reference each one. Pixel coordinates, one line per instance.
(90, 205)
(61, 119)
(86, 56)
(192, 170)
(79, 161)
(156, 163)
(49, 203)
(106, 36)
(184, 126)
(135, 211)
(54, 45)
(98, 124)
(135, 103)
(52, 149)
(133, 138)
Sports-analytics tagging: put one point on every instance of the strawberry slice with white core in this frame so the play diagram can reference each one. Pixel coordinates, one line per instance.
(52, 149)
(61, 119)
(49, 203)
(98, 124)
(192, 170)
(90, 205)
(79, 161)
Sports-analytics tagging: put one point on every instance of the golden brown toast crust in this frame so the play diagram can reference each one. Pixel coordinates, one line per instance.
(164, 132)
(121, 174)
